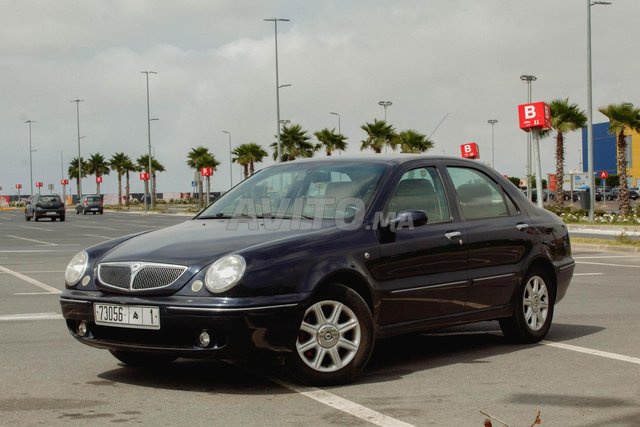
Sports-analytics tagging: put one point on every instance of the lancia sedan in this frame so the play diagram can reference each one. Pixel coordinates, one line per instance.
(312, 261)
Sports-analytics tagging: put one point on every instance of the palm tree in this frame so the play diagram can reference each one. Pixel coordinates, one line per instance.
(247, 155)
(331, 140)
(411, 141)
(156, 166)
(294, 143)
(97, 165)
(621, 117)
(379, 135)
(73, 170)
(197, 159)
(118, 163)
(565, 117)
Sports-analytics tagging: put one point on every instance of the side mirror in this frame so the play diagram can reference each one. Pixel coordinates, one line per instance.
(409, 219)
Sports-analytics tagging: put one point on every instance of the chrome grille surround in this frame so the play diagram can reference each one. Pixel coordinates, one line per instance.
(139, 276)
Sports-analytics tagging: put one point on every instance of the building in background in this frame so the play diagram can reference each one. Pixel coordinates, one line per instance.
(604, 152)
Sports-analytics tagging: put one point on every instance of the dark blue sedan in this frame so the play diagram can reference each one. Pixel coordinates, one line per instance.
(312, 261)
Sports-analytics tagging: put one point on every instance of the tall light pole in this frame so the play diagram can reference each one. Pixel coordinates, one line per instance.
(528, 78)
(30, 156)
(78, 101)
(149, 182)
(275, 23)
(492, 122)
(590, 172)
(230, 160)
(385, 104)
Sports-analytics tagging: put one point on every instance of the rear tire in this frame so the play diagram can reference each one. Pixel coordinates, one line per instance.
(533, 311)
(62, 218)
(26, 216)
(335, 338)
(142, 359)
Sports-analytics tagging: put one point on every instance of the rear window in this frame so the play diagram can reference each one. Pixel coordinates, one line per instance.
(50, 199)
(93, 199)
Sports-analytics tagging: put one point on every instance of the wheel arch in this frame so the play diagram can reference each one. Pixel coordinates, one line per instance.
(351, 279)
(546, 266)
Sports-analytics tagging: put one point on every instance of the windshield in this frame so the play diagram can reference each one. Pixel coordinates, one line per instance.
(308, 190)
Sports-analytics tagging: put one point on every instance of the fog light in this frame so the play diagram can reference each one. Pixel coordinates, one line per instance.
(196, 286)
(204, 339)
(85, 280)
(82, 329)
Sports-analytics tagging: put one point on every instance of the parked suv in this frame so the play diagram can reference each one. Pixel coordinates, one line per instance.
(89, 203)
(40, 206)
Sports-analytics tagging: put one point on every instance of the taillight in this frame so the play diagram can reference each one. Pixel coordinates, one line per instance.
(86, 202)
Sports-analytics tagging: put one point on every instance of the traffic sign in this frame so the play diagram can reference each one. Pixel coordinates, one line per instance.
(144, 176)
(98, 180)
(604, 174)
(64, 181)
(18, 186)
(39, 184)
(206, 171)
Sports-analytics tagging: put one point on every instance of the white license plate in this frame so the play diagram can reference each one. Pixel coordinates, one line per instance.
(127, 316)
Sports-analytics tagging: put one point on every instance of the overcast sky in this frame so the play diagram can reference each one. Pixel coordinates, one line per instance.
(457, 60)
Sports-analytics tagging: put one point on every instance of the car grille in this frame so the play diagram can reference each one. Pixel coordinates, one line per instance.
(139, 276)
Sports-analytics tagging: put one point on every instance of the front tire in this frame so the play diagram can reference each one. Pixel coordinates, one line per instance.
(533, 310)
(140, 359)
(335, 338)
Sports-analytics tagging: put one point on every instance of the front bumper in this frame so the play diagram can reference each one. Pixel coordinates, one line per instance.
(235, 331)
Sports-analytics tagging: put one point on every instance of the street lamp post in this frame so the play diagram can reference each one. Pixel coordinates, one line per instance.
(230, 160)
(492, 122)
(590, 172)
(385, 104)
(275, 23)
(78, 101)
(528, 78)
(150, 180)
(30, 157)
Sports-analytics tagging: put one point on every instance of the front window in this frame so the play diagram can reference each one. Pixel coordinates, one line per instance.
(309, 190)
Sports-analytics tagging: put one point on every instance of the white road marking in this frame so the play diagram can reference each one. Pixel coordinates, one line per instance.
(593, 352)
(31, 316)
(604, 257)
(32, 293)
(28, 279)
(38, 251)
(608, 265)
(588, 274)
(344, 405)
(95, 226)
(32, 240)
(97, 235)
(36, 228)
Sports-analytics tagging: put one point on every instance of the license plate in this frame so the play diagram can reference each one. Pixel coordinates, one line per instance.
(127, 316)
(93, 209)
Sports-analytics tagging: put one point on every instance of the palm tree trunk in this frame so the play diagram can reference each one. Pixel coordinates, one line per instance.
(625, 204)
(153, 191)
(119, 190)
(201, 201)
(559, 199)
(126, 190)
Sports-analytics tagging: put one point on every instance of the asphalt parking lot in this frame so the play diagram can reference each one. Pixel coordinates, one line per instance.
(586, 373)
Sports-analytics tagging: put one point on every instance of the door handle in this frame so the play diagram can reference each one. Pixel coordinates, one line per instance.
(454, 236)
(522, 226)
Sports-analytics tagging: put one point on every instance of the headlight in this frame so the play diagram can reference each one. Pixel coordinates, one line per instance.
(76, 268)
(224, 273)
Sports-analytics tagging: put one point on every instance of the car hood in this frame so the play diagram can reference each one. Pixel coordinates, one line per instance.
(199, 242)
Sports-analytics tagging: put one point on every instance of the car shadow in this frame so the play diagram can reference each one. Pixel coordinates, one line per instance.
(392, 359)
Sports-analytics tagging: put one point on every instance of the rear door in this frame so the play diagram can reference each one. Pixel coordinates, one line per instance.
(497, 236)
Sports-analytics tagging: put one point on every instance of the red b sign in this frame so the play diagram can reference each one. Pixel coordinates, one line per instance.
(604, 174)
(144, 176)
(64, 181)
(206, 171)
(534, 116)
(470, 150)
(18, 186)
(38, 183)
(98, 180)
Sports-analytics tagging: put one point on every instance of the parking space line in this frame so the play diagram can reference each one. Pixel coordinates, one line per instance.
(593, 352)
(606, 264)
(28, 279)
(344, 405)
(32, 240)
(30, 316)
(95, 226)
(588, 274)
(605, 257)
